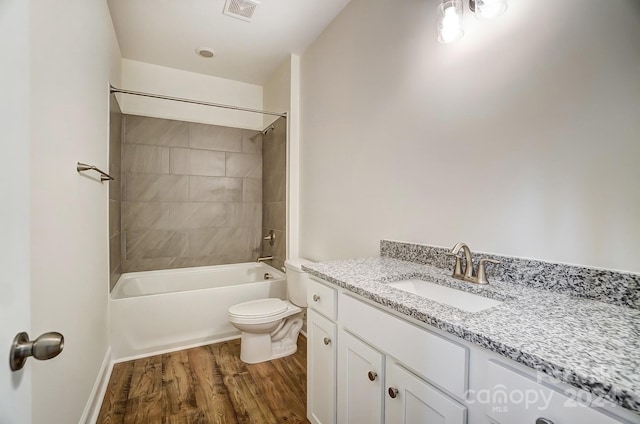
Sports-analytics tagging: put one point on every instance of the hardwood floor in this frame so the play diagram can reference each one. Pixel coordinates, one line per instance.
(207, 384)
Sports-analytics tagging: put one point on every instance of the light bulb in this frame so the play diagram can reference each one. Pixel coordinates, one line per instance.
(450, 21)
(490, 9)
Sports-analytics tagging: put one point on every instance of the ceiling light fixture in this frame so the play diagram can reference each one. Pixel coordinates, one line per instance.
(450, 21)
(205, 52)
(450, 16)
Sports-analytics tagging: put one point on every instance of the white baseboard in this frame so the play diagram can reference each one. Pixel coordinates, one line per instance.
(92, 408)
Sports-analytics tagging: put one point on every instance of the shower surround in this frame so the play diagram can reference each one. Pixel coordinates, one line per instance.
(191, 194)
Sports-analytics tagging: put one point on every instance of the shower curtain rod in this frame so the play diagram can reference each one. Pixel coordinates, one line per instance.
(113, 89)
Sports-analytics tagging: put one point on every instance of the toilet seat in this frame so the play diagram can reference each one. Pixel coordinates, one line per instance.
(262, 311)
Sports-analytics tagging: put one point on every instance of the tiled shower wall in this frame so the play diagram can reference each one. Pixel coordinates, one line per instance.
(115, 147)
(274, 180)
(192, 194)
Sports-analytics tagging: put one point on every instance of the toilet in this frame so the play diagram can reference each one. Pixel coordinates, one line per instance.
(270, 327)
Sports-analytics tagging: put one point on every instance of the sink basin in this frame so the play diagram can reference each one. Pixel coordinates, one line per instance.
(457, 298)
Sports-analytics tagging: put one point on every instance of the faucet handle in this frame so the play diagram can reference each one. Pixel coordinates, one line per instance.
(482, 275)
(457, 271)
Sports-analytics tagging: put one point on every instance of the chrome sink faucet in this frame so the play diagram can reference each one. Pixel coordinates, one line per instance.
(480, 277)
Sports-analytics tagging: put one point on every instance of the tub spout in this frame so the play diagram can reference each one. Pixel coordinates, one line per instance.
(264, 258)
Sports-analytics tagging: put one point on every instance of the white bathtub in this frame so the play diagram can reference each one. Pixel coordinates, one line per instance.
(158, 311)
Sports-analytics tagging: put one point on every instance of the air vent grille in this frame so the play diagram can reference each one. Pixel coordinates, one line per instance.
(240, 9)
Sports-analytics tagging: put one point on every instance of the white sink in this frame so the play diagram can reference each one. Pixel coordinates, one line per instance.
(457, 298)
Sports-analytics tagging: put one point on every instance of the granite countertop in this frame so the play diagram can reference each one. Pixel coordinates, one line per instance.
(589, 344)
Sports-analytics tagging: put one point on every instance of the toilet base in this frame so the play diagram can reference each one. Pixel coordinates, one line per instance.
(262, 347)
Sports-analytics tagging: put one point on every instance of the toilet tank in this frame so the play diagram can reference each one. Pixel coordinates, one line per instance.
(297, 281)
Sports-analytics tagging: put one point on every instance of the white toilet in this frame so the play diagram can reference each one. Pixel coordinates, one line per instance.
(270, 327)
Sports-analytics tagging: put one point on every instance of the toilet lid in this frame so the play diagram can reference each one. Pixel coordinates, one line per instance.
(259, 308)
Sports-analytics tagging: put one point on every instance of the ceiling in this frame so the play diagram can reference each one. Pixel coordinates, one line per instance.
(168, 32)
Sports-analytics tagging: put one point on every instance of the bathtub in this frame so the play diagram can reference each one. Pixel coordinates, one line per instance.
(160, 311)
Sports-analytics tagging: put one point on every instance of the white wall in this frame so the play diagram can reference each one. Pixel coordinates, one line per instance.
(72, 49)
(277, 92)
(144, 77)
(521, 139)
(15, 387)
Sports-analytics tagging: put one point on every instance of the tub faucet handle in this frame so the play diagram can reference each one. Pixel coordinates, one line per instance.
(270, 237)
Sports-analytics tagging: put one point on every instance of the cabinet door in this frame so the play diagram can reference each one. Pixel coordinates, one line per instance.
(410, 400)
(516, 398)
(360, 381)
(321, 372)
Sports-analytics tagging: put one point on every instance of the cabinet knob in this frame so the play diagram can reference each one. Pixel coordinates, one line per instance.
(543, 421)
(316, 297)
(372, 375)
(393, 392)
(326, 340)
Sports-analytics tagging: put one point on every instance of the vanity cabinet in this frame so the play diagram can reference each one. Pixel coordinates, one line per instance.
(411, 400)
(360, 381)
(370, 365)
(321, 354)
(374, 389)
(517, 398)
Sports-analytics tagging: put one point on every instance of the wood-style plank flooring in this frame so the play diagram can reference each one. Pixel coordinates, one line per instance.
(207, 384)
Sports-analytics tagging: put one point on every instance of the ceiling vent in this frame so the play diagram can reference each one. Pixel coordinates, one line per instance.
(240, 9)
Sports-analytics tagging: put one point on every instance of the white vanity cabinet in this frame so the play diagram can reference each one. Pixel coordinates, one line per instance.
(360, 381)
(411, 400)
(369, 365)
(321, 354)
(517, 398)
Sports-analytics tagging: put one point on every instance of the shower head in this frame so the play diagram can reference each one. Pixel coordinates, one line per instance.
(268, 129)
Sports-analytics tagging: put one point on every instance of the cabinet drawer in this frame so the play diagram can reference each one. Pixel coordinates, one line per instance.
(440, 361)
(515, 398)
(322, 298)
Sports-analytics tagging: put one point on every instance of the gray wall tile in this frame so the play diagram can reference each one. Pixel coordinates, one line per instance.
(115, 192)
(274, 187)
(198, 215)
(236, 242)
(115, 218)
(158, 132)
(213, 137)
(252, 142)
(144, 158)
(244, 215)
(156, 187)
(115, 260)
(145, 216)
(244, 165)
(275, 215)
(274, 148)
(192, 194)
(215, 189)
(251, 190)
(154, 244)
(146, 264)
(197, 162)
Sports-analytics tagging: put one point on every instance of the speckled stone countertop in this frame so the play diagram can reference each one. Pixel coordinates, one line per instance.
(587, 343)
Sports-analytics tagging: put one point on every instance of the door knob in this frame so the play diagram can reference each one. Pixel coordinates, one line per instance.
(393, 392)
(316, 298)
(47, 346)
(372, 375)
(326, 340)
(543, 421)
